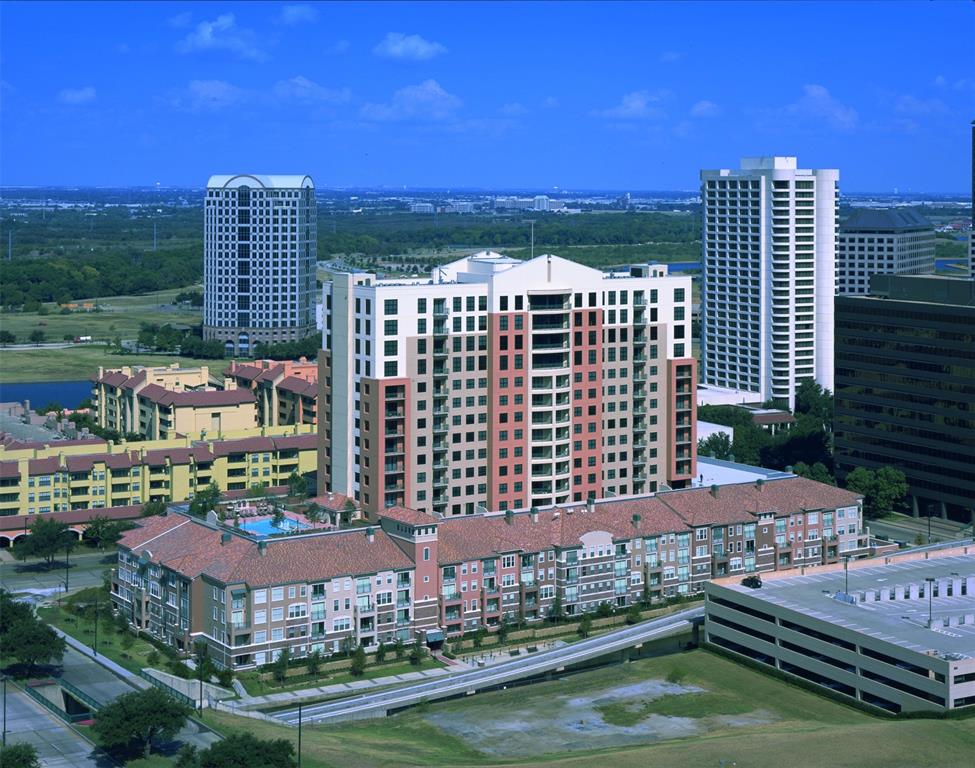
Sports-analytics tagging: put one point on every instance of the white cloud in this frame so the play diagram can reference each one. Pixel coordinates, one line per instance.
(426, 101)
(396, 45)
(307, 91)
(180, 20)
(910, 105)
(222, 34)
(298, 14)
(341, 46)
(705, 108)
(210, 95)
(550, 102)
(816, 108)
(638, 105)
(76, 96)
(669, 57)
(513, 109)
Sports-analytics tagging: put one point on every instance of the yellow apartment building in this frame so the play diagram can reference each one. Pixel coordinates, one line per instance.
(36, 477)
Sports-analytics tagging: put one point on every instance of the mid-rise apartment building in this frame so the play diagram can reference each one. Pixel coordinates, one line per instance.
(260, 245)
(286, 390)
(184, 579)
(170, 401)
(503, 384)
(768, 252)
(875, 241)
(42, 478)
(905, 387)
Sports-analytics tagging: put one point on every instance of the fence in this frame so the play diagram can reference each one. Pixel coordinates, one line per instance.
(178, 695)
(49, 705)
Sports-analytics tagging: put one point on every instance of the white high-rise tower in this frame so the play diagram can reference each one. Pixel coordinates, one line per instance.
(768, 251)
(260, 245)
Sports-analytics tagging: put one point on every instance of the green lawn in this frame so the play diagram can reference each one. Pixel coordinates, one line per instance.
(120, 316)
(808, 730)
(109, 638)
(79, 362)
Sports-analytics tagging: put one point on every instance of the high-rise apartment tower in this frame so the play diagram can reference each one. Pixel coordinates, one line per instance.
(506, 384)
(768, 251)
(259, 259)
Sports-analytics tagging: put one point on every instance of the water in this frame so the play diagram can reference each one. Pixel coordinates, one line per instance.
(68, 393)
(268, 528)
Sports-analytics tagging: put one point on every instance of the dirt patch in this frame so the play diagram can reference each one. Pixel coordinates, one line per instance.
(565, 723)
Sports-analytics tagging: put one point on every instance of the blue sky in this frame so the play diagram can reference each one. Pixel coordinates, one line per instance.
(532, 95)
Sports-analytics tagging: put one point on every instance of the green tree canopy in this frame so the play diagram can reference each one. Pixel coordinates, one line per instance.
(48, 538)
(25, 637)
(243, 750)
(297, 485)
(106, 533)
(717, 446)
(19, 756)
(152, 508)
(136, 719)
(882, 490)
(205, 500)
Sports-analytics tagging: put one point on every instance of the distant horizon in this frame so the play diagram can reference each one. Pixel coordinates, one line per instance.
(962, 196)
(516, 96)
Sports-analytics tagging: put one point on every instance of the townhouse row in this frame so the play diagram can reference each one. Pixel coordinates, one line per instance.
(418, 575)
(91, 475)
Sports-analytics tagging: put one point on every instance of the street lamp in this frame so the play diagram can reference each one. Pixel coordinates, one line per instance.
(67, 564)
(95, 646)
(299, 735)
(846, 573)
(930, 591)
(4, 710)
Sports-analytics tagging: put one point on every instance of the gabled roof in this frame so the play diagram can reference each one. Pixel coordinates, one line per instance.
(299, 386)
(206, 398)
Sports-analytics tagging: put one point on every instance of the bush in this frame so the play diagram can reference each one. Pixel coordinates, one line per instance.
(180, 669)
(153, 658)
(225, 677)
(676, 676)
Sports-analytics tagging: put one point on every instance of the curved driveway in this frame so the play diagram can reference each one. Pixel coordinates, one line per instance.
(379, 704)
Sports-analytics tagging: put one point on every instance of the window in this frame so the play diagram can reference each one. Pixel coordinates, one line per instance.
(277, 614)
(260, 596)
(260, 617)
(390, 306)
(277, 593)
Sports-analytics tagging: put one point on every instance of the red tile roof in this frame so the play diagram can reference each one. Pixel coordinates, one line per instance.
(12, 444)
(408, 516)
(744, 501)
(193, 548)
(332, 501)
(112, 378)
(206, 398)
(71, 517)
(299, 386)
(46, 466)
(9, 469)
(296, 441)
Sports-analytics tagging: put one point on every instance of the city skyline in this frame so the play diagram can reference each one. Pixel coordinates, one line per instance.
(395, 95)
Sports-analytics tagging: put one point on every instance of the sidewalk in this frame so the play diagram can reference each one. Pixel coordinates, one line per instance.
(453, 666)
(84, 650)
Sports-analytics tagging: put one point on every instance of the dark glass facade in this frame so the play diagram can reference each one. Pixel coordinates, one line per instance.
(905, 387)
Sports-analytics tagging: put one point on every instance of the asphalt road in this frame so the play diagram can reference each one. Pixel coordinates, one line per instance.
(57, 745)
(32, 576)
(907, 529)
(376, 704)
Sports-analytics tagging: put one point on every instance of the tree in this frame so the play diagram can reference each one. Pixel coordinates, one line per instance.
(297, 486)
(314, 662)
(815, 401)
(717, 446)
(817, 472)
(104, 532)
(278, 517)
(205, 500)
(152, 508)
(503, 628)
(882, 490)
(399, 649)
(556, 613)
(585, 626)
(6, 337)
(358, 666)
(48, 538)
(604, 610)
(12, 611)
(36, 336)
(32, 642)
(416, 653)
(243, 750)
(633, 615)
(381, 653)
(19, 756)
(136, 719)
(479, 637)
(348, 511)
(279, 667)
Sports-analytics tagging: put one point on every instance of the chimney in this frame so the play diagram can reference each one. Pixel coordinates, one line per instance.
(262, 548)
(636, 521)
(370, 534)
(509, 516)
(591, 504)
(714, 491)
(760, 484)
(224, 538)
(534, 514)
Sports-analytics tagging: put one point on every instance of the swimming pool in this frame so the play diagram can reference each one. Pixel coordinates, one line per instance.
(268, 528)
